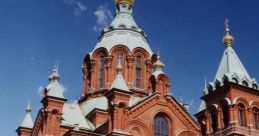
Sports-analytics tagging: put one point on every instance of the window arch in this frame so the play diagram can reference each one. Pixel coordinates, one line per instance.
(235, 80)
(244, 83)
(161, 127)
(122, 26)
(134, 28)
(214, 118)
(241, 114)
(102, 72)
(256, 117)
(255, 86)
(138, 71)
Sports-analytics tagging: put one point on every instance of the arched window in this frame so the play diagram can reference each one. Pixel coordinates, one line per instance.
(241, 114)
(134, 28)
(214, 118)
(256, 117)
(102, 72)
(122, 26)
(120, 58)
(235, 80)
(161, 126)
(255, 86)
(225, 112)
(138, 72)
(245, 83)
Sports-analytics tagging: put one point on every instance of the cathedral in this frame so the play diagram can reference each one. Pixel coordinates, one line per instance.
(126, 92)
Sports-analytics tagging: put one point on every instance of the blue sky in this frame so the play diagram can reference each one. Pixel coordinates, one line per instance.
(36, 33)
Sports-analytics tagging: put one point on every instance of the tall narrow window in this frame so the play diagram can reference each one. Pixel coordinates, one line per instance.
(214, 119)
(138, 72)
(225, 111)
(102, 72)
(241, 114)
(120, 58)
(256, 117)
(160, 126)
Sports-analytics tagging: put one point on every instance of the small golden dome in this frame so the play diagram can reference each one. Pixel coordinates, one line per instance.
(228, 39)
(158, 65)
(54, 76)
(130, 2)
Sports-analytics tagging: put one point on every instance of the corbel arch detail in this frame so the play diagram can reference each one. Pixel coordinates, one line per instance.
(138, 127)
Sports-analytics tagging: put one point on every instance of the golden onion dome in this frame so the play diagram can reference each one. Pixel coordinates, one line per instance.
(158, 65)
(228, 39)
(54, 76)
(130, 2)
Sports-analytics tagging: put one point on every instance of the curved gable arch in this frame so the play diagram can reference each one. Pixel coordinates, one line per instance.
(140, 51)
(226, 100)
(99, 52)
(185, 133)
(253, 104)
(163, 77)
(120, 48)
(238, 100)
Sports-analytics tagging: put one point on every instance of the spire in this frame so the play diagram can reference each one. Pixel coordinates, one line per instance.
(230, 66)
(228, 39)
(28, 108)
(27, 121)
(205, 89)
(119, 82)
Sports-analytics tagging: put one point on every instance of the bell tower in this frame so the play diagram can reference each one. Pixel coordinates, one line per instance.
(230, 103)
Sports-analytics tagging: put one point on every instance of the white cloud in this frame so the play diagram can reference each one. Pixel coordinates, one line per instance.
(104, 16)
(78, 6)
(40, 91)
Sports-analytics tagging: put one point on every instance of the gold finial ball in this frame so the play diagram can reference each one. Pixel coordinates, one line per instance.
(228, 40)
(130, 2)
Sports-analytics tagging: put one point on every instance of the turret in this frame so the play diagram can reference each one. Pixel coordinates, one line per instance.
(159, 80)
(27, 124)
(118, 99)
(53, 102)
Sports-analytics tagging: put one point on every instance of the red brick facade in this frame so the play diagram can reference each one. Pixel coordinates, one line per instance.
(145, 107)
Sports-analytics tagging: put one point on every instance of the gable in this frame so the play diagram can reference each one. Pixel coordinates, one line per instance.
(146, 110)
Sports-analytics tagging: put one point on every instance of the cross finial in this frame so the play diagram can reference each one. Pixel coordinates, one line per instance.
(228, 40)
(227, 25)
(56, 65)
(158, 53)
